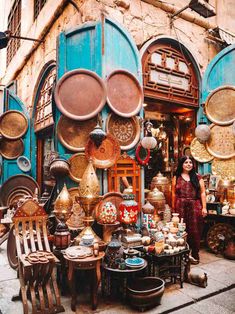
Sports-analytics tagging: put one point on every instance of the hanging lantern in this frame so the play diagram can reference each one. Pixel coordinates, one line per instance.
(148, 142)
(97, 135)
(202, 132)
(63, 205)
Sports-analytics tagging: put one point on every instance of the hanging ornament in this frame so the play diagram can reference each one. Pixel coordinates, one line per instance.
(97, 135)
(142, 155)
(148, 142)
(202, 132)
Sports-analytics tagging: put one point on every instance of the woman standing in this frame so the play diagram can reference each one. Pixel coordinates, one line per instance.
(189, 200)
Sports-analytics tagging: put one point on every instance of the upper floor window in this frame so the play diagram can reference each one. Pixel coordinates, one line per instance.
(38, 5)
(14, 25)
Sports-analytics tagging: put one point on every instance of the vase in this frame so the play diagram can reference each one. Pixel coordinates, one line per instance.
(107, 213)
(128, 209)
(175, 219)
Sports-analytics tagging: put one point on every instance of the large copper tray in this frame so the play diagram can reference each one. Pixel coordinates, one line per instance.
(80, 94)
(223, 167)
(106, 154)
(199, 151)
(114, 197)
(11, 149)
(125, 130)
(124, 93)
(76, 219)
(78, 163)
(13, 124)
(15, 187)
(221, 142)
(220, 105)
(74, 134)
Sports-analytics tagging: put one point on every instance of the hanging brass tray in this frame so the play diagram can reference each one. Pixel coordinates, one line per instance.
(74, 134)
(124, 93)
(11, 149)
(221, 142)
(223, 167)
(199, 151)
(78, 163)
(80, 94)
(13, 124)
(125, 130)
(106, 154)
(15, 187)
(220, 105)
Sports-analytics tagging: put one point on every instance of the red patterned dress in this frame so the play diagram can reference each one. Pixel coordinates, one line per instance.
(189, 206)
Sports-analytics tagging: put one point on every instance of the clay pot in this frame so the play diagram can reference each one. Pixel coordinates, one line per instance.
(145, 293)
(175, 219)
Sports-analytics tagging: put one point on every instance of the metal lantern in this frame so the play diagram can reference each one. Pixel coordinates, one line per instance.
(202, 132)
(147, 208)
(97, 135)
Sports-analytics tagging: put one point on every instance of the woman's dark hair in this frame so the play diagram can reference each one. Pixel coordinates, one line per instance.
(192, 173)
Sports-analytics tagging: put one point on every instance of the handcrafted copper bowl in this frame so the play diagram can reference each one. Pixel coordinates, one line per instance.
(145, 293)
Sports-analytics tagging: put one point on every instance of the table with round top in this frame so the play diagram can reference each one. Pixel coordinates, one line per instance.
(122, 276)
(88, 263)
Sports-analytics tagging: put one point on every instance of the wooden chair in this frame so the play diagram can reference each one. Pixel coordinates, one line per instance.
(37, 277)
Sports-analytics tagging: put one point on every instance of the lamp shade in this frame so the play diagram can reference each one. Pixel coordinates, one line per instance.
(149, 142)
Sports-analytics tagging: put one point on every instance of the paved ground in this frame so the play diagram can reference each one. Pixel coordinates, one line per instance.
(217, 297)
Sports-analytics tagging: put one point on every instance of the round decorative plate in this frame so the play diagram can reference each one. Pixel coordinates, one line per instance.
(11, 149)
(125, 130)
(106, 154)
(74, 134)
(219, 234)
(220, 105)
(13, 124)
(78, 251)
(221, 142)
(78, 164)
(223, 168)
(75, 221)
(134, 262)
(124, 93)
(199, 151)
(15, 187)
(80, 94)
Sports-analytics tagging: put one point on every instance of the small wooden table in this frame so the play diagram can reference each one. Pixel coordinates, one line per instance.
(121, 276)
(88, 263)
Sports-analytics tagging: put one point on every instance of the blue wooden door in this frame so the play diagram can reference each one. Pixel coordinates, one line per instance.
(219, 72)
(10, 168)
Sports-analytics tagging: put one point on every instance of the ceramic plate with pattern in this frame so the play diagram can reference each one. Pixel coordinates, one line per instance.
(199, 151)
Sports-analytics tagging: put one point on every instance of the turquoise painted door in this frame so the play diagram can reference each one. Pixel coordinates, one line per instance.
(101, 47)
(10, 168)
(220, 72)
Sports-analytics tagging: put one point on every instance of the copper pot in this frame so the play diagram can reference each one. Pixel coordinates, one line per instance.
(59, 167)
(157, 199)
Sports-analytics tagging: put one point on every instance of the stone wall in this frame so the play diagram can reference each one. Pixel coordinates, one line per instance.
(143, 20)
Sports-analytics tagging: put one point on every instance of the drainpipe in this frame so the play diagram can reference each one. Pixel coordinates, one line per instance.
(169, 8)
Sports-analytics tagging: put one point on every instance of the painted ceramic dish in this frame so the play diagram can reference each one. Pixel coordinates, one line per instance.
(125, 130)
(74, 134)
(199, 151)
(124, 93)
(221, 142)
(13, 124)
(78, 252)
(80, 94)
(220, 105)
(106, 154)
(134, 262)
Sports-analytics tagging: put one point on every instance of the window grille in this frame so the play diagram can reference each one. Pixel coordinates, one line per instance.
(169, 75)
(14, 25)
(43, 114)
(38, 5)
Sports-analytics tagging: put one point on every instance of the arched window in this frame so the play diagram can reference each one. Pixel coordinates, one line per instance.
(168, 74)
(43, 115)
